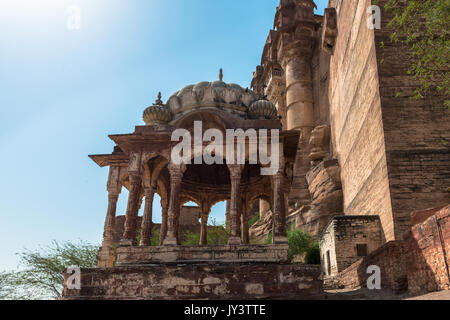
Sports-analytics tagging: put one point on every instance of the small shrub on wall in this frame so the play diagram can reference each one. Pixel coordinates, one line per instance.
(301, 244)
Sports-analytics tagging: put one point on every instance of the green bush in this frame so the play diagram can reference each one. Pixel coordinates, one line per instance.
(268, 239)
(254, 219)
(217, 235)
(190, 239)
(313, 254)
(300, 243)
(154, 241)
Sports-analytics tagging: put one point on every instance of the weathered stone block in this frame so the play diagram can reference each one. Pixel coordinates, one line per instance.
(219, 282)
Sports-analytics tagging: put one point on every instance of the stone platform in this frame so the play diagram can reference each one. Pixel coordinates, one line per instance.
(200, 281)
(129, 256)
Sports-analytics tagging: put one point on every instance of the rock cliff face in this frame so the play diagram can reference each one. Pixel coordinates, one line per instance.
(325, 187)
(262, 228)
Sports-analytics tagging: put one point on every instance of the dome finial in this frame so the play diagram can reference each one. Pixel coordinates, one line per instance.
(221, 74)
(159, 101)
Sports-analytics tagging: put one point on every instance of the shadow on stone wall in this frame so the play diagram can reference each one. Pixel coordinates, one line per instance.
(417, 265)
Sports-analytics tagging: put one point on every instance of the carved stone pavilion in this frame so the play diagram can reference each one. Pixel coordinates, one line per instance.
(141, 162)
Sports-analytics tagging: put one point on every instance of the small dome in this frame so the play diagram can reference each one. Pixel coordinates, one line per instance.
(209, 94)
(157, 114)
(263, 109)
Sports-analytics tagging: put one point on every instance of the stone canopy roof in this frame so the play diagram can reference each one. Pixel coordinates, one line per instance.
(229, 97)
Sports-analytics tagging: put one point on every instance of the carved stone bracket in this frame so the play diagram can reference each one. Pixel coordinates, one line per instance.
(330, 31)
(319, 142)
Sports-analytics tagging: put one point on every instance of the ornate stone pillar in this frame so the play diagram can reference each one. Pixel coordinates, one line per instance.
(227, 213)
(106, 256)
(296, 60)
(297, 26)
(147, 223)
(176, 176)
(130, 232)
(163, 231)
(299, 110)
(235, 175)
(204, 229)
(244, 224)
(279, 234)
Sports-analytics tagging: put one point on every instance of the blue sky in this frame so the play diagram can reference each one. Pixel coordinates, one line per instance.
(63, 91)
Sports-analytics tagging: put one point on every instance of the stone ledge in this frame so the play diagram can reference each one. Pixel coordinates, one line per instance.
(194, 254)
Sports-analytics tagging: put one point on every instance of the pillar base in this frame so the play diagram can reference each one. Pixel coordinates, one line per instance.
(280, 240)
(106, 257)
(126, 243)
(170, 241)
(145, 243)
(234, 241)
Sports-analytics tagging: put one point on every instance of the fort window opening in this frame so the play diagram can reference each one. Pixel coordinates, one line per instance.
(361, 250)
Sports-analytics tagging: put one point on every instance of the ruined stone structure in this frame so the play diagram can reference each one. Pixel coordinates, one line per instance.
(357, 157)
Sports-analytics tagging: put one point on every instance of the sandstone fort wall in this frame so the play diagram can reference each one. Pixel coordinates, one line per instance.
(356, 117)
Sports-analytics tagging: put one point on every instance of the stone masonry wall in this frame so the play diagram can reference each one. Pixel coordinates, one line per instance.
(416, 132)
(189, 216)
(352, 230)
(390, 259)
(419, 263)
(428, 254)
(356, 117)
(328, 251)
(219, 282)
(339, 241)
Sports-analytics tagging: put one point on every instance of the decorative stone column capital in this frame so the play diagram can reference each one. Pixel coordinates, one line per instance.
(149, 191)
(300, 48)
(113, 196)
(164, 203)
(135, 178)
(235, 171)
(204, 216)
(114, 184)
(279, 176)
(176, 171)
